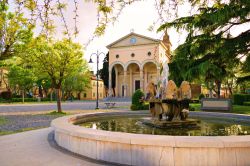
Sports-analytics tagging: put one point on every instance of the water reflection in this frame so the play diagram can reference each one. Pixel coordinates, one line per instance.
(206, 127)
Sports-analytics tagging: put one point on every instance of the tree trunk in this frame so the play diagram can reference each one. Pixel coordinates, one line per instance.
(210, 93)
(23, 95)
(218, 83)
(59, 95)
(114, 95)
(51, 95)
(40, 90)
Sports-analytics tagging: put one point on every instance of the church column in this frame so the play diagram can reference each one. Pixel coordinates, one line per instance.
(131, 82)
(125, 83)
(110, 92)
(116, 83)
(158, 72)
(145, 79)
(141, 80)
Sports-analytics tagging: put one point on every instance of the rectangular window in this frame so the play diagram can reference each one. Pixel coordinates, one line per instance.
(94, 94)
(84, 95)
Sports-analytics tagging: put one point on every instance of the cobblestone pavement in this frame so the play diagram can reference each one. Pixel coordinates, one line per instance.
(76, 105)
(19, 122)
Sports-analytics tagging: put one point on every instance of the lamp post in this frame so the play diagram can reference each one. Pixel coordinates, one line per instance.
(97, 54)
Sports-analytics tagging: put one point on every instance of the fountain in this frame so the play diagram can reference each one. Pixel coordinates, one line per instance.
(166, 100)
(163, 138)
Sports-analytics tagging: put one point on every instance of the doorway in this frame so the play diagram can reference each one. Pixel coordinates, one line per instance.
(137, 84)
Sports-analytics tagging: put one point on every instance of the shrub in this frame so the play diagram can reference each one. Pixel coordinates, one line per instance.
(45, 99)
(239, 99)
(201, 96)
(137, 104)
(25, 99)
(6, 95)
(191, 108)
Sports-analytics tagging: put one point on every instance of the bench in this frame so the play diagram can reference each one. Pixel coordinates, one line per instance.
(215, 104)
(110, 104)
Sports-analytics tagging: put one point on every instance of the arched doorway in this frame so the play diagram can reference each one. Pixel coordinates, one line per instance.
(149, 73)
(117, 76)
(134, 79)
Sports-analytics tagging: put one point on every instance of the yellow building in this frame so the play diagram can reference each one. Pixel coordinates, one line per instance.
(91, 93)
(136, 60)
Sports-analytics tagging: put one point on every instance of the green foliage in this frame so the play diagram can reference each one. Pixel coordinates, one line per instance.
(239, 99)
(246, 103)
(211, 52)
(78, 81)
(191, 108)
(57, 113)
(57, 60)
(3, 120)
(25, 100)
(201, 96)
(6, 95)
(15, 32)
(104, 72)
(22, 77)
(137, 96)
(137, 104)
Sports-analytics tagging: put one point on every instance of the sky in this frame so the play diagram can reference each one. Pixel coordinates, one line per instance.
(136, 17)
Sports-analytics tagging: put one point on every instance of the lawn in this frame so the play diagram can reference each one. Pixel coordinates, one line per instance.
(237, 109)
(3, 120)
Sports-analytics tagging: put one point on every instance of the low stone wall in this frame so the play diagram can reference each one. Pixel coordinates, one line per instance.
(150, 150)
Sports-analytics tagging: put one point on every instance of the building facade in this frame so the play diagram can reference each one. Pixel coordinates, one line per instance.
(136, 60)
(91, 93)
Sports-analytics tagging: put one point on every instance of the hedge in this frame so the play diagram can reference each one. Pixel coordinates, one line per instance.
(25, 99)
(137, 104)
(239, 99)
(246, 103)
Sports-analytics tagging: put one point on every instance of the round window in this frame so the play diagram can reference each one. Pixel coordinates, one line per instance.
(117, 56)
(132, 55)
(149, 53)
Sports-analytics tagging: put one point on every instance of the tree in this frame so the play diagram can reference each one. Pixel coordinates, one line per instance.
(210, 50)
(56, 59)
(77, 81)
(22, 77)
(15, 32)
(104, 74)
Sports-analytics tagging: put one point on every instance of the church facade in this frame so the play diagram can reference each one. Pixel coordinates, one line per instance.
(136, 60)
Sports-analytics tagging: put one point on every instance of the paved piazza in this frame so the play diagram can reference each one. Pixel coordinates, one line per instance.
(76, 105)
(35, 148)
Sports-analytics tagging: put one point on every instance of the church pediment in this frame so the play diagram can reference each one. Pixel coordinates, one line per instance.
(133, 39)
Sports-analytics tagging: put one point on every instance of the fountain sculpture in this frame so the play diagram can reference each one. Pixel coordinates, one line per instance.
(169, 102)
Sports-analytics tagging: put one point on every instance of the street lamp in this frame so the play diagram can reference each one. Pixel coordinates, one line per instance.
(97, 74)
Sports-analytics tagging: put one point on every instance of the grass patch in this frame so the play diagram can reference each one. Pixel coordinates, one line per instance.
(3, 120)
(237, 109)
(241, 109)
(196, 106)
(57, 113)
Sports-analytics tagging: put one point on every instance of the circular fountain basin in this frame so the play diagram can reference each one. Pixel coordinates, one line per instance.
(144, 149)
